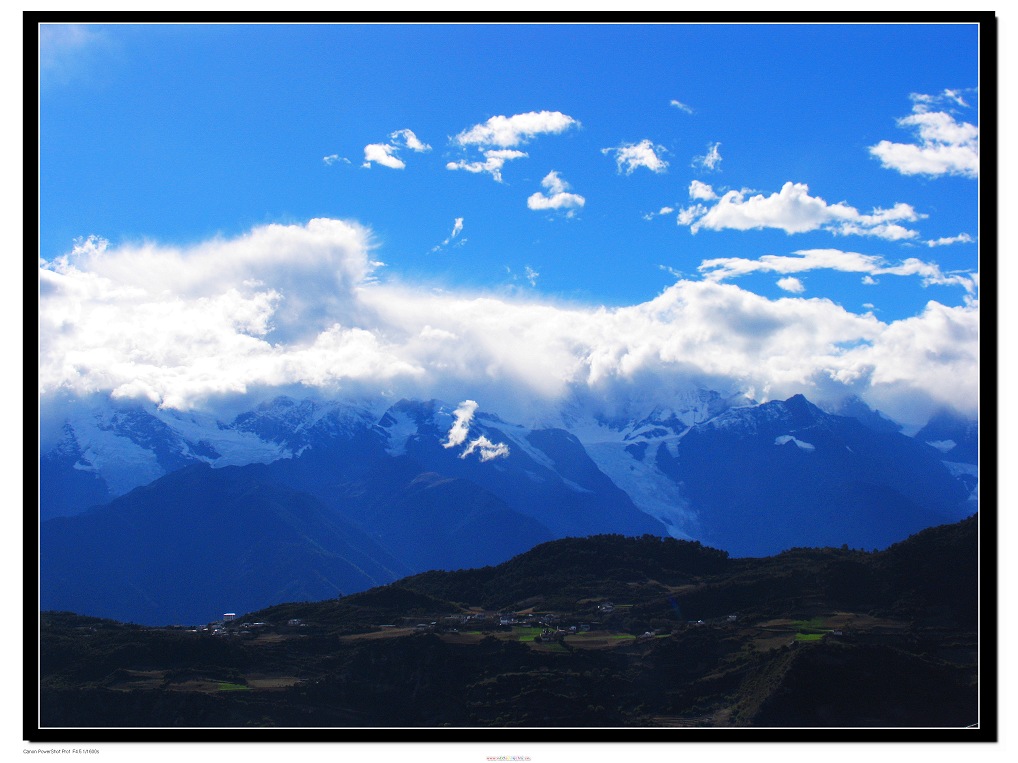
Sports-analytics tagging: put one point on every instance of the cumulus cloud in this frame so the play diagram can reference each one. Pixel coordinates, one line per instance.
(723, 268)
(681, 106)
(557, 197)
(493, 162)
(304, 307)
(385, 153)
(516, 130)
(710, 160)
(792, 284)
(629, 156)
(961, 238)
(941, 145)
(701, 191)
(793, 210)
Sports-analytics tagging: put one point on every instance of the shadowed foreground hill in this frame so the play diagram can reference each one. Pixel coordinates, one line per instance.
(602, 631)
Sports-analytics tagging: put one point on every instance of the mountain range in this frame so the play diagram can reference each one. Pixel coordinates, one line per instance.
(154, 516)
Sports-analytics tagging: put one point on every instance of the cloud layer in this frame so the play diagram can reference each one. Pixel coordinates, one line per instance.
(301, 306)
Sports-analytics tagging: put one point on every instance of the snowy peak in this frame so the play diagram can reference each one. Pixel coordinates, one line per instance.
(795, 413)
(854, 407)
(297, 424)
(954, 435)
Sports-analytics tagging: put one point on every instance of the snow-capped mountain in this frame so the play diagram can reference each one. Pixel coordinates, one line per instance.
(105, 449)
(582, 472)
(436, 485)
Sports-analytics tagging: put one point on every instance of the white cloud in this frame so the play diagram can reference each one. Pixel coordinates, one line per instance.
(793, 210)
(701, 191)
(384, 154)
(457, 228)
(680, 105)
(460, 429)
(629, 156)
(659, 213)
(791, 284)
(710, 160)
(532, 275)
(300, 307)
(942, 145)
(461, 425)
(493, 162)
(557, 197)
(487, 450)
(723, 268)
(408, 139)
(70, 53)
(689, 215)
(333, 158)
(518, 129)
(961, 238)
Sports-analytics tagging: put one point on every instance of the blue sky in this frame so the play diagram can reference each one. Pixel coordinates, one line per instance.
(818, 183)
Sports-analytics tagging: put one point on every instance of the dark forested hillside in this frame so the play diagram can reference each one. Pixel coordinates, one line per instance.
(601, 631)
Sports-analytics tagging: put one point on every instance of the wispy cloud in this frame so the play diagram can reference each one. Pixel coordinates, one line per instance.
(532, 275)
(70, 52)
(710, 160)
(486, 449)
(961, 238)
(493, 162)
(457, 228)
(461, 424)
(723, 268)
(681, 106)
(333, 158)
(942, 145)
(557, 197)
(460, 430)
(629, 156)
(663, 211)
(793, 210)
